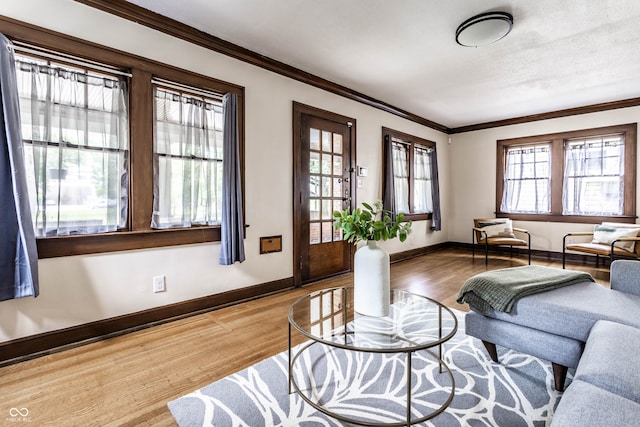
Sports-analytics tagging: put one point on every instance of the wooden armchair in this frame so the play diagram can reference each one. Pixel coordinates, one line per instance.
(611, 239)
(497, 232)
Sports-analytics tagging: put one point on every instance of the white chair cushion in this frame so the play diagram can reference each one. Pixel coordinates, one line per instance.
(605, 235)
(497, 228)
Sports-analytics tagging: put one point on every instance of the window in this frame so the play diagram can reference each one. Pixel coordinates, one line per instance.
(527, 179)
(413, 171)
(91, 147)
(401, 176)
(580, 176)
(594, 176)
(76, 141)
(187, 158)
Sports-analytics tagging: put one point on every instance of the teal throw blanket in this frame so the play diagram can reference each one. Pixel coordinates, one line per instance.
(500, 289)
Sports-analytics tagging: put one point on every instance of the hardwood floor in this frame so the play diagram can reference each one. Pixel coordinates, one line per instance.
(128, 380)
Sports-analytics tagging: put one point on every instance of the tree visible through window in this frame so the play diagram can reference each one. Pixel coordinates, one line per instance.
(89, 145)
(76, 137)
(187, 158)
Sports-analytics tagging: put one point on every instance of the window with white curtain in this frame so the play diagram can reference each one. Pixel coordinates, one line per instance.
(75, 129)
(188, 148)
(594, 176)
(583, 176)
(423, 201)
(89, 139)
(527, 179)
(401, 176)
(412, 172)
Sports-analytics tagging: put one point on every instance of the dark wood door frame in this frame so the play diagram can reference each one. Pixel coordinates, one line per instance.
(298, 111)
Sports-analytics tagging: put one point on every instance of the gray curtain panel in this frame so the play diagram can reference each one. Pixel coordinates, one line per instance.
(436, 219)
(388, 192)
(18, 253)
(232, 228)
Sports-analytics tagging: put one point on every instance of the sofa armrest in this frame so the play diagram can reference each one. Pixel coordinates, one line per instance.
(625, 276)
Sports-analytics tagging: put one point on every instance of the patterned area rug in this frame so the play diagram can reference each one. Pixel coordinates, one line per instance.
(372, 388)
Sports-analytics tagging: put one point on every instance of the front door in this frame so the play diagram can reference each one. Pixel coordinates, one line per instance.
(323, 169)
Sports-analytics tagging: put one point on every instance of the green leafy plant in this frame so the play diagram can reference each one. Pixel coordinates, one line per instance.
(371, 223)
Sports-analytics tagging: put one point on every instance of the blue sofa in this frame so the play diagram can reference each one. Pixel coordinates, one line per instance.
(605, 389)
(584, 326)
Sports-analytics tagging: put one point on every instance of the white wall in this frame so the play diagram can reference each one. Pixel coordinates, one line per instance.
(80, 289)
(473, 174)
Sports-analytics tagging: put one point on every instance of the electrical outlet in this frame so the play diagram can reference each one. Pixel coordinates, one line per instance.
(159, 284)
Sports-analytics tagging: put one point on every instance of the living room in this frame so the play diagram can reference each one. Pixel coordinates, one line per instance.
(87, 289)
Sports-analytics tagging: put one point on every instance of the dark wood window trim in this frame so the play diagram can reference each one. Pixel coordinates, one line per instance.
(412, 141)
(557, 141)
(139, 234)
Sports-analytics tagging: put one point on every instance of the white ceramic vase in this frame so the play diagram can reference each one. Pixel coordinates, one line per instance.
(371, 280)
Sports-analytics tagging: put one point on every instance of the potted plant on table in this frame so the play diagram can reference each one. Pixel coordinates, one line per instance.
(371, 263)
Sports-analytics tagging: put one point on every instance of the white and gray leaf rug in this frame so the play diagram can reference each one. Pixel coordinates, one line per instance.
(371, 387)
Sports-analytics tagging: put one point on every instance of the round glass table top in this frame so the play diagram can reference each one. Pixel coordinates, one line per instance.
(414, 322)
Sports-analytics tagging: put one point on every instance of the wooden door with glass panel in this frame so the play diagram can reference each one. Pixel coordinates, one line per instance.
(324, 186)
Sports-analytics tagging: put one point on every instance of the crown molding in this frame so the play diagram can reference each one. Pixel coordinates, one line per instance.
(174, 28)
(594, 108)
(169, 26)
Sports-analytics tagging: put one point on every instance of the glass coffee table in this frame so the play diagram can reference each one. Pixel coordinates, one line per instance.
(414, 324)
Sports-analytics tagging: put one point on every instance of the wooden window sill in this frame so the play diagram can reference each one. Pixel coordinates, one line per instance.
(50, 247)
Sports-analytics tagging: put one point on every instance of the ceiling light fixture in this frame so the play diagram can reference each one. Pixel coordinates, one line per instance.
(484, 29)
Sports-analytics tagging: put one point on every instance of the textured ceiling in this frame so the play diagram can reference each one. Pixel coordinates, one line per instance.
(559, 55)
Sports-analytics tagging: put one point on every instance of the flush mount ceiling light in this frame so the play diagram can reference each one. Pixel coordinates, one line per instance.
(484, 29)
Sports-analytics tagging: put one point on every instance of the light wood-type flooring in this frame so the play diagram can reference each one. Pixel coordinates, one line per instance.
(128, 380)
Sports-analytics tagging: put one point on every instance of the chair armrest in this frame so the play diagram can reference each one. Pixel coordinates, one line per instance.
(480, 230)
(579, 233)
(574, 233)
(521, 230)
(625, 276)
(627, 239)
(623, 239)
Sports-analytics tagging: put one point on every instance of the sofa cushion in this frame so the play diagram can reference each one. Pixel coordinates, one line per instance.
(572, 311)
(625, 276)
(584, 404)
(610, 359)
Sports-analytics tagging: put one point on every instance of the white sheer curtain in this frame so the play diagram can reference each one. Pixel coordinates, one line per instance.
(401, 176)
(187, 160)
(75, 130)
(527, 179)
(422, 180)
(594, 177)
